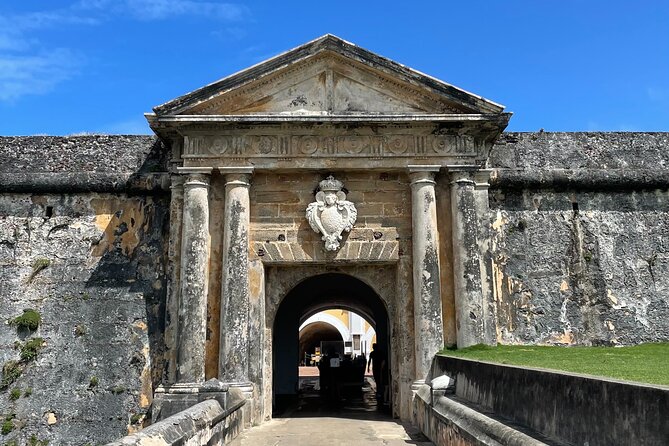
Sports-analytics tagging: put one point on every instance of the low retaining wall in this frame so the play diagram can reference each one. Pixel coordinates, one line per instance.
(204, 423)
(448, 422)
(565, 407)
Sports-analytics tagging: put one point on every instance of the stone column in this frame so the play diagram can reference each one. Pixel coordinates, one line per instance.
(194, 276)
(469, 272)
(428, 325)
(235, 296)
(174, 276)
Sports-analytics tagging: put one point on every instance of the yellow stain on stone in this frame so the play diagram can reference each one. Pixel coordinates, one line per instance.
(565, 338)
(141, 325)
(498, 281)
(499, 221)
(255, 281)
(51, 418)
(110, 214)
(611, 297)
(146, 391)
(102, 221)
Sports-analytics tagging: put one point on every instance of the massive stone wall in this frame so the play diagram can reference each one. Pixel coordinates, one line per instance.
(91, 264)
(580, 231)
(581, 237)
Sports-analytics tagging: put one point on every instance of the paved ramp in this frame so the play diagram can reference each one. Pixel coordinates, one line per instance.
(352, 418)
(322, 431)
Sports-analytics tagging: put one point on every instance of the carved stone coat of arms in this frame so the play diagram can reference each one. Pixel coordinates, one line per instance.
(331, 215)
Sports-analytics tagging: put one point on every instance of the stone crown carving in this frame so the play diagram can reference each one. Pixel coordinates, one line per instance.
(331, 214)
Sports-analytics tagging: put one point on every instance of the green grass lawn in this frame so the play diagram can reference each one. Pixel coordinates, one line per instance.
(646, 363)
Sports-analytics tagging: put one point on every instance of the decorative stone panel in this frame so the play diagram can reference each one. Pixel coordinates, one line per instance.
(361, 251)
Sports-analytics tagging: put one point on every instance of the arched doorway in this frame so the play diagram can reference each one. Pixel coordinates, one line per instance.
(313, 334)
(315, 294)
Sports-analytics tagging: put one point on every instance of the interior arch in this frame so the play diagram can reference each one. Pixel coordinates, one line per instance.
(327, 319)
(318, 309)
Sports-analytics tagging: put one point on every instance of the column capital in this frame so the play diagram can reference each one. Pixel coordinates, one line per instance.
(197, 176)
(482, 178)
(237, 176)
(195, 170)
(236, 169)
(177, 185)
(423, 173)
(462, 175)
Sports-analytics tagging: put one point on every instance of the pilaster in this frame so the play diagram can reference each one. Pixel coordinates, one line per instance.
(428, 324)
(174, 277)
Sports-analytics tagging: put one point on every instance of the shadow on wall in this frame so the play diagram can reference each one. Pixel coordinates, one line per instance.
(128, 288)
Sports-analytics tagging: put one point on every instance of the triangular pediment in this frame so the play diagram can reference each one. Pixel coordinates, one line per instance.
(328, 76)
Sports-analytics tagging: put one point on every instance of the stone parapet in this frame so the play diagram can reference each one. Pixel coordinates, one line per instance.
(580, 150)
(447, 421)
(566, 408)
(108, 154)
(207, 422)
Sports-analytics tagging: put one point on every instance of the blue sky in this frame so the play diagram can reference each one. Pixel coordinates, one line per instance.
(96, 66)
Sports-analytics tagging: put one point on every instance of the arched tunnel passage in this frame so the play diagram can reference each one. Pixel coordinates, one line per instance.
(315, 294)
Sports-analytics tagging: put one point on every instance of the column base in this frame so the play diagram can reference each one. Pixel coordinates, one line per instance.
(416, 385)
(173, 398)
(246, 391)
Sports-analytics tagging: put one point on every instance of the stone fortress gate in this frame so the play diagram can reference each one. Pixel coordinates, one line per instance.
(325, 177)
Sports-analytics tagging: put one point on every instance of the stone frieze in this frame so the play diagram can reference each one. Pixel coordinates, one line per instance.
(285, 146)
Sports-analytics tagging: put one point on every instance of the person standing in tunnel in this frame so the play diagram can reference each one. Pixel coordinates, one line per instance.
(375, 360)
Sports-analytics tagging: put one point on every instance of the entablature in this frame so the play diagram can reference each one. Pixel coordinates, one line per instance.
(334, 144)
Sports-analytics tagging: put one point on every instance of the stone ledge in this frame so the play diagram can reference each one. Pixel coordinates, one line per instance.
(590, 179)
(69, 182)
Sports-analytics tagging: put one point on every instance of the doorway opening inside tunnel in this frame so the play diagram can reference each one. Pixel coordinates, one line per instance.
(347, 331)
(323, 334)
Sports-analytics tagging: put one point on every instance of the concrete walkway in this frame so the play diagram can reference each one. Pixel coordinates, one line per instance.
(322, 431)
(351, 419)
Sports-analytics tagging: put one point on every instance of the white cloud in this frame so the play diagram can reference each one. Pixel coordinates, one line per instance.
(163, 9)
(19, 23)
(22, 75)
(29, 66)
(10, 42)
